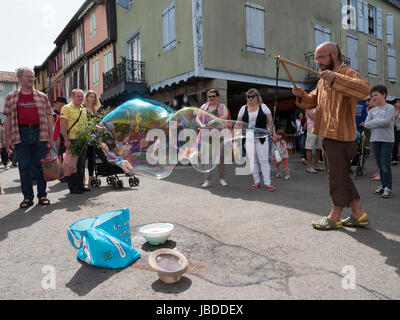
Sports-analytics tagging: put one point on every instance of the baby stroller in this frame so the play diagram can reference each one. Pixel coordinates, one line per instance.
(111, 171)
(358, 160)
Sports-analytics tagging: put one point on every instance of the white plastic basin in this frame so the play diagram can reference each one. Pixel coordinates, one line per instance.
(156, 233)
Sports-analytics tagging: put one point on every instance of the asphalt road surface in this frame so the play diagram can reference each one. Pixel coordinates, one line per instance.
(240, 243)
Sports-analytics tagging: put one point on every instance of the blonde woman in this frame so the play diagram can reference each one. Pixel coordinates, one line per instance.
(257, 114)
(92, 104)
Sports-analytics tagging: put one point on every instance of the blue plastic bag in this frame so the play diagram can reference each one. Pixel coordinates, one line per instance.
(104, 241)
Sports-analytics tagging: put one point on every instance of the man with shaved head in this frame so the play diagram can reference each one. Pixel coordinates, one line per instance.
(335, 99)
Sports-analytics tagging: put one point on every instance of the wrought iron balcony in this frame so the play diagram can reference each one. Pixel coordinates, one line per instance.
(127, 71)
(310, 63)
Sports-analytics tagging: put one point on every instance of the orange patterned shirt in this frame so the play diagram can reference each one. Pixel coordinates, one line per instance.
(335, 116)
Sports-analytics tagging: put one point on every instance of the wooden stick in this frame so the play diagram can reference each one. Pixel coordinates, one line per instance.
(296, 65)
(288, 73)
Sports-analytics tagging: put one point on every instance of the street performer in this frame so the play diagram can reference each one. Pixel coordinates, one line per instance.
(335, 99)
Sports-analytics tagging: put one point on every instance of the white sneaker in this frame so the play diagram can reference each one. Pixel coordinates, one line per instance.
(206, 184)
(278, 175)
(223, 182)
(288, 177)
(387, 193)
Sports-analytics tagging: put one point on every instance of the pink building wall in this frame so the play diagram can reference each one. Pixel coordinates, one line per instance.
(97, 39)
(101, 27)
(100, 56)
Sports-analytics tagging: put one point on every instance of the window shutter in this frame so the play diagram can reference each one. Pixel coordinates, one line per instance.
(171, 25)
(91, 25)
(352, 51)
(360, 16)
(343, 3)
(389, 28)
(319, 35)
(107, 61)
(165, 28)
(169, 33)
(379, 23)
(255, 27)
(327, 35)
(372, 59)
(366, 22)
(123, 3)
(392, 65)
(95, 67)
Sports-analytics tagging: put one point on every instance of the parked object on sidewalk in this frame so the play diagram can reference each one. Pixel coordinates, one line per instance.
(104, 168)
(52, 167)
(104, 241)
(156, 233)
(169, 264)
(69, 163)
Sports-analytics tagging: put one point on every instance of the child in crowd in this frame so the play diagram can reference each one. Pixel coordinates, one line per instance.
(282, 145)
(380, 120)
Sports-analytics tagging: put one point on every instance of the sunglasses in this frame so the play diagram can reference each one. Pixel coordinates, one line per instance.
(253, 96)
(210, 97)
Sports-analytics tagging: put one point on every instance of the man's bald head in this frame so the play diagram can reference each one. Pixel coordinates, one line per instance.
(329, 47)
(328, 56)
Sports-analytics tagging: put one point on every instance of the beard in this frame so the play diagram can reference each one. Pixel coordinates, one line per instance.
(330, 66)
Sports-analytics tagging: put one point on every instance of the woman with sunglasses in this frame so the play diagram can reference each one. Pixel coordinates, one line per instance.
(258, 115)
(219, 110)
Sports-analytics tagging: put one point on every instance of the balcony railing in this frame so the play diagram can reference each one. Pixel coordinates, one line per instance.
(127, 71)
(310, 63)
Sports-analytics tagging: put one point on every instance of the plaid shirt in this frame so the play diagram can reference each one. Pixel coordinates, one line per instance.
(44, 110)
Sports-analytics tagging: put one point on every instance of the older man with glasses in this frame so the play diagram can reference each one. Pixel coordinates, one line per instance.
(29, 128)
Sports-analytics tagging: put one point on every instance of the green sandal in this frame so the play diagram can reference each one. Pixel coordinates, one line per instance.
(353, 222)
(327, 224)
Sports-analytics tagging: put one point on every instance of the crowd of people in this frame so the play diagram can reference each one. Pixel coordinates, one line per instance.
(325, 129)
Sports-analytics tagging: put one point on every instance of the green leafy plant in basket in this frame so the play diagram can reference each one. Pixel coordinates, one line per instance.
(90, 132)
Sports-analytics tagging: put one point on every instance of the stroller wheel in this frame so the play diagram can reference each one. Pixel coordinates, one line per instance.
(98, 182)
(115, 184)
(131, 182)
(136, 181)
(109, 181)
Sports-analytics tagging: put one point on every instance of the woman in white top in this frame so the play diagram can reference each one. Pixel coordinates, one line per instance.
(257, 114)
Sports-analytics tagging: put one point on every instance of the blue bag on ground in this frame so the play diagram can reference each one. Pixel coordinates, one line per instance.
(104, 241)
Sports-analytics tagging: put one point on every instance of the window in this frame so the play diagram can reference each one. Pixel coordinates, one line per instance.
(107, 61)
(134, 49)
(169, 34)
(92, 24)
(389, 28)
(71, 41)
(255, 29)
(82, 78)
(75, 80)
(372, 59)
(352, 51)
(322, 35)
(95, 70)
(135, 72)
(392, 65)
(349, 17)
(371, 20)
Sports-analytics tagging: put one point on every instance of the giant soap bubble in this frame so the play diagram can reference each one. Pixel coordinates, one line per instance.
(145, 136)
